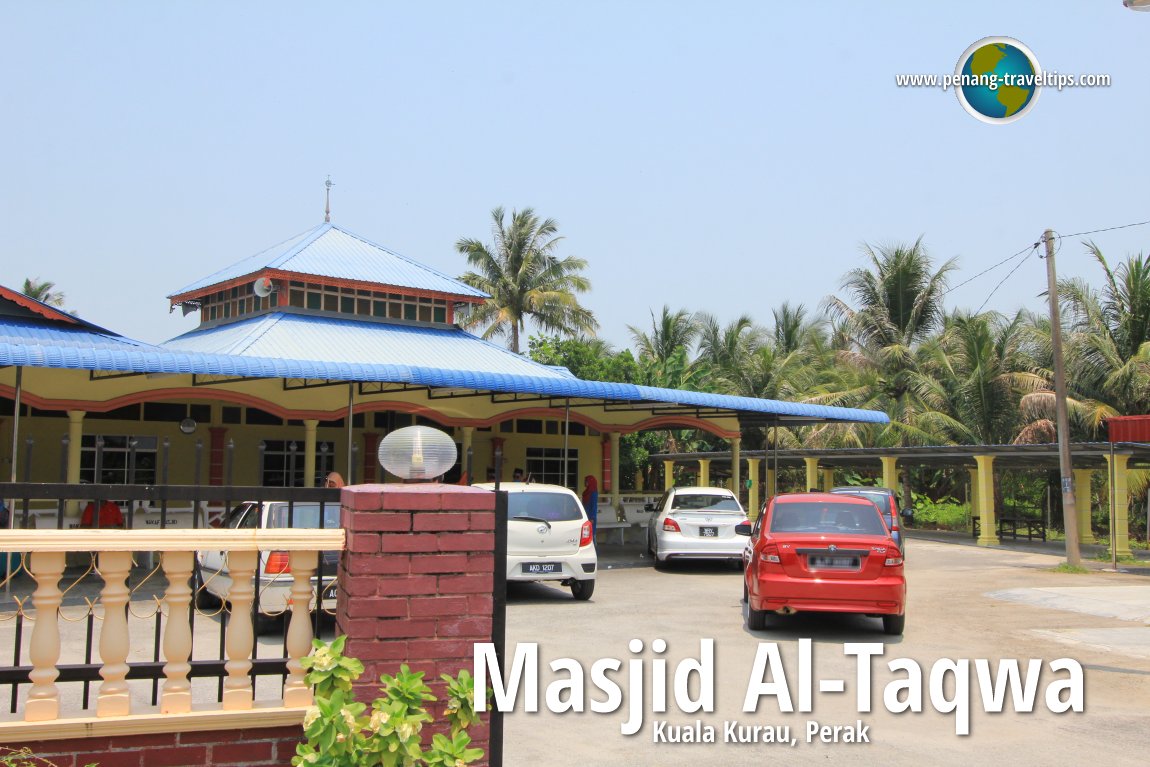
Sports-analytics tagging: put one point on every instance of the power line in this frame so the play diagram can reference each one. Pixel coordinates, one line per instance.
(1033, 248)
(1027, 249)
(1107, 229)
(1030, 248)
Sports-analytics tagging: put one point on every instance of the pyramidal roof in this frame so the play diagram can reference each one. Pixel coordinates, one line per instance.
(330, 252)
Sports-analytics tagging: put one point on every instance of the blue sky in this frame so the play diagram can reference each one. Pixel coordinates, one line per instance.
(723, 157)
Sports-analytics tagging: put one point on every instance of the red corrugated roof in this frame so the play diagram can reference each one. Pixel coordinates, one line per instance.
(1129, 428)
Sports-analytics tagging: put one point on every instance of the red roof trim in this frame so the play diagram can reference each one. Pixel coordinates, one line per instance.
(38, 307)
(279, 274)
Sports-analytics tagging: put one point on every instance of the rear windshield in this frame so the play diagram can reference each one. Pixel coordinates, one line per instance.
(304, 515)
(814, 517)
(699, 502)
(553, 507)
(882, 500)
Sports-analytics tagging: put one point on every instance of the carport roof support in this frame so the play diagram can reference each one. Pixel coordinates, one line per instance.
(1085, 455)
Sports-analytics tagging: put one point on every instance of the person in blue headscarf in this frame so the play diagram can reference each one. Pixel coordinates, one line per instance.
(591, 501)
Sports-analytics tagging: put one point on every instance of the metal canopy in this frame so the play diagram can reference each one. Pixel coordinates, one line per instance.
(1085, 455)
(319, 349)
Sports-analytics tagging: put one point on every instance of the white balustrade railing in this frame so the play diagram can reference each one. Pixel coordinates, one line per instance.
(46, 564)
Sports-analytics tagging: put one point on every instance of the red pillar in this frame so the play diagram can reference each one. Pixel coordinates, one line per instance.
(216, 439)
(370, 456)
(605, 479)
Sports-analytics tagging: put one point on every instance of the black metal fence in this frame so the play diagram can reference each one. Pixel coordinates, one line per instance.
(57, 505)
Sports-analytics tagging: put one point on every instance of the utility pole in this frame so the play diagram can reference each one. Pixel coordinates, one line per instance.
(1069, 514)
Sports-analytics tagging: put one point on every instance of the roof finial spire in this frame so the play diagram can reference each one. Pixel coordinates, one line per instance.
(327, 201)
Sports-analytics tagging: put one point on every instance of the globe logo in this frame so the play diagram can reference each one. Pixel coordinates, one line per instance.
(998, 79)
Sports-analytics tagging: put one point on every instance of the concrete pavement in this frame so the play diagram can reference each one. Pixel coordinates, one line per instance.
(966, 602)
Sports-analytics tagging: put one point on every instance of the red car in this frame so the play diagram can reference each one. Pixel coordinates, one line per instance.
(825, 553)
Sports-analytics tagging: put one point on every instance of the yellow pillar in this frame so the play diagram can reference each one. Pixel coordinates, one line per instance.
(616, 492)
(988, 535)
(812, 473)
(1082, 501)
(736, 466)
(890, 471)
(828, 479)
(1121, 533)
(668, 474)
(753, 490)
(75, 438)
(704, 472)
(309, 426)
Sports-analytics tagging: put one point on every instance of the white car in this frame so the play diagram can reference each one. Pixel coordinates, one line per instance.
(275, 578)
(696, 523)
(548, 537)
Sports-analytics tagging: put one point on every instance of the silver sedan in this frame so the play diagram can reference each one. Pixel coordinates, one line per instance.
(696, 523)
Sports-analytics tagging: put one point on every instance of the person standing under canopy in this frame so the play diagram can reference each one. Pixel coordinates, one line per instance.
(591, 501)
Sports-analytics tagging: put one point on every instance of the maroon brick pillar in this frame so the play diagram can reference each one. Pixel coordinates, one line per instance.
(415, 582)
(370, 456)
(216, 436)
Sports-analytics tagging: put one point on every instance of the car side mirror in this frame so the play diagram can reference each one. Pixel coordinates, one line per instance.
(908, 513)
(743, 528)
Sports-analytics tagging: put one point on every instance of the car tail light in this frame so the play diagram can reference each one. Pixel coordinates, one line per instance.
(893, 561)
(278, 562)
(585, 537)
(671, 526)
(770, 553)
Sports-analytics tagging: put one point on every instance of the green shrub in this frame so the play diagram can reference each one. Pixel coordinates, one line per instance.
(342, 733)
(23, 757)
(943, 514)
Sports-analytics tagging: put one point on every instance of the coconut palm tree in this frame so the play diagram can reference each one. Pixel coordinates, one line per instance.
(793, 330)
(43, 291)
(664, 357)
(725, 349)
(671, 332)
(1108, 345)
(898, 300)
(978, 371)
(525, 279)
(897, 305)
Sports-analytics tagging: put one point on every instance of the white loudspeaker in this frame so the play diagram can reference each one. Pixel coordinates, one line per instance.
(263, 287)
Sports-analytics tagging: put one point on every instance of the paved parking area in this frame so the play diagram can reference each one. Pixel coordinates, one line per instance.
(956, 611)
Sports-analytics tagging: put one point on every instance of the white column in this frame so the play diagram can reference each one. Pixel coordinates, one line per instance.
(468, 434)
(75, 440)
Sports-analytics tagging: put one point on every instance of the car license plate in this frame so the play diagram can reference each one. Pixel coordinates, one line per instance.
(542, 568)
(708, 532)
(834, 563)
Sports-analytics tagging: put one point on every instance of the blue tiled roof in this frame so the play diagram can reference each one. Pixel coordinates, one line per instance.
(325, 339)
(328, 251)
(323, 348)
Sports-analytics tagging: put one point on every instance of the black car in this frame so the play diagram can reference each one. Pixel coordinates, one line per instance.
(887, 502)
